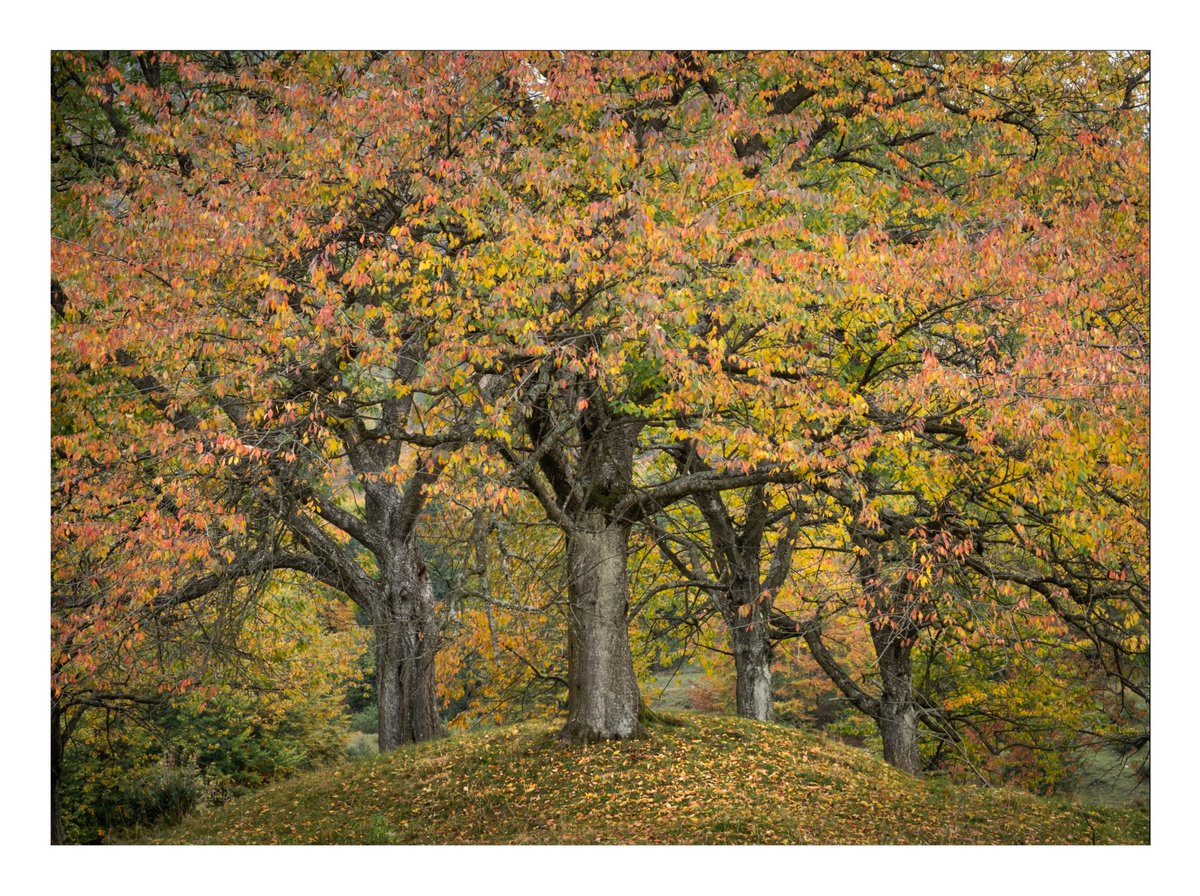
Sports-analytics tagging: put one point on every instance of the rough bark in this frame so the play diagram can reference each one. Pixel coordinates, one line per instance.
(400, 601)
(750, 635)
(586, 489)
(898, 714)
(405, 642)
(893, 634)
(743, 598)
(604, 701)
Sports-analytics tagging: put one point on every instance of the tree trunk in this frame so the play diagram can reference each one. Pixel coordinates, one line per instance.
(742, 601)
(604, 702)
(57, 833)
(893, 635)
(898, 713)
(405, 642)
(750, 635)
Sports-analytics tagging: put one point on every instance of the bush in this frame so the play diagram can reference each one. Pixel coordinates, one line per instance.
(366, 720)
(124, 772)
(131, 788)
(362, 746)
(162, 794)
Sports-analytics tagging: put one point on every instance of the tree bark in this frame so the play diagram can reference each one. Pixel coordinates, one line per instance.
(589, 485)
(604, 701)
(750, 635)
(898, 713)
(405, 643)
(893, 635)
(743, 603)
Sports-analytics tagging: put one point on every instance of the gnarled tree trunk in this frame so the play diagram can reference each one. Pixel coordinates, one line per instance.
(744, 597)
(604, 702)
(405, 642)
(898, 714)
(750, 637)
(893, 634)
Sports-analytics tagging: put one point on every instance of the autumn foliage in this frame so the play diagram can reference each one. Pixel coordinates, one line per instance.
(838, 353)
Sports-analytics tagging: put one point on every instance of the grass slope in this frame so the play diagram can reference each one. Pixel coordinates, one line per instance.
(711, 779)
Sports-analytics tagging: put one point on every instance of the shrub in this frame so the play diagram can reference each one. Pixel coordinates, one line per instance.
(366, 720)
(163, 793)
(362, 746)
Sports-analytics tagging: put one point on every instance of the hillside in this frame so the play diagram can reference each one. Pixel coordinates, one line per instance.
(709, 779)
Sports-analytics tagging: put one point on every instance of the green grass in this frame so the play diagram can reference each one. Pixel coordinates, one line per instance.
(712, 779)
(671, 690)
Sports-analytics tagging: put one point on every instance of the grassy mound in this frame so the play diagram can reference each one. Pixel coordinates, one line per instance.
(711, 779)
